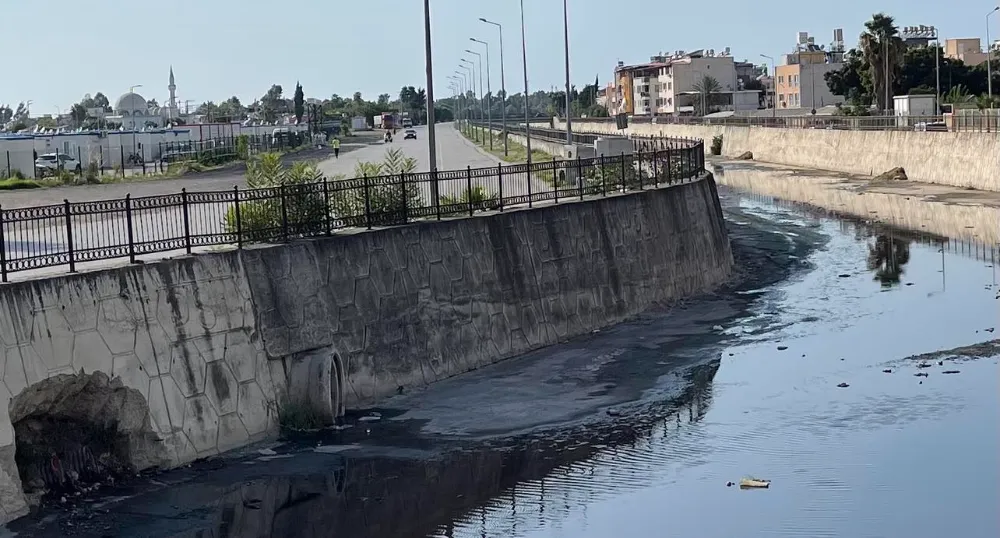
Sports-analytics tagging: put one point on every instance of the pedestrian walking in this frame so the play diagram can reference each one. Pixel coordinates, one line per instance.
(336, 147)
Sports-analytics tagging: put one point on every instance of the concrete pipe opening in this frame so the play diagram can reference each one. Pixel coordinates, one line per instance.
(74, 431)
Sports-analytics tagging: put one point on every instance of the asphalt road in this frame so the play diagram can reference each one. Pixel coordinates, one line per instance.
(159, 224)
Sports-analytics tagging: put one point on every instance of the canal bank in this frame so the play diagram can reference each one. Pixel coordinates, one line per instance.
(651, 418)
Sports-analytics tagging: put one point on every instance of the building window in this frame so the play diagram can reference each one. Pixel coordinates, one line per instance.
(781, 79)
(670, 85)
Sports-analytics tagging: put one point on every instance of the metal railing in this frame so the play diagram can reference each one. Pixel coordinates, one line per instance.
(982, 121)
(70, 234)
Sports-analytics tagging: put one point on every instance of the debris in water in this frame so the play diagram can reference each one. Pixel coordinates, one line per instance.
(782, 348)
(924, 365)
(921, 374)
(887, 371)
(950, 372)
(751, 482)
(940, 363)
(266, 452)
(718, 328)
(614, 413)
(371, 418)
(844, 275)
(990, 329)
(729, 484)
(843, 385)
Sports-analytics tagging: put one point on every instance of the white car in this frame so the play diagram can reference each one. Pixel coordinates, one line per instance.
(50, 162)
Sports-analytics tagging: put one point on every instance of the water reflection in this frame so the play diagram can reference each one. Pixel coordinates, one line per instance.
(886, 257)
(401, 496)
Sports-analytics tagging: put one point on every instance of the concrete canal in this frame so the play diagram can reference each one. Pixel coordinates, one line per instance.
(852, 364)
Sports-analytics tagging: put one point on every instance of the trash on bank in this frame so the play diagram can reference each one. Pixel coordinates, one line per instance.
(843, 385)
(751, 482)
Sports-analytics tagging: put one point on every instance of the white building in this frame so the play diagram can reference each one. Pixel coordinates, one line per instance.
(133, 112)
(682, 82)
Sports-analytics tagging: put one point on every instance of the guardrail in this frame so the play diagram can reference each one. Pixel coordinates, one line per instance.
(71, 234)
(963, 121)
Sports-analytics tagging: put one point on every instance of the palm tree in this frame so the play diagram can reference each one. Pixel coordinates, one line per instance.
(706, 87)
(883, 51)
(887, 258)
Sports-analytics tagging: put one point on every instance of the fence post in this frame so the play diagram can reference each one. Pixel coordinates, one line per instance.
(656, 176)
(527, 169)
(604, 188)
(579, 174)
(468, 187)
(500, 184)
(623, 188)
(326, 206)
(3, 247)
(187, 220)
(437, 193)
(239, 216)
(284, 214)
(368, 204)
(402, 184)
(670, 169)
(69, 236)
(128, 222)
(121, 149)
(555, 179)
(639, 172)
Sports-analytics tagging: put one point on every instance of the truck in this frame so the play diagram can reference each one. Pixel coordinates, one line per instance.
(389, 121)
(406, 121)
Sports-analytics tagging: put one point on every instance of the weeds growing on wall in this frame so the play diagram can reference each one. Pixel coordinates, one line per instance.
(299, 416)
(716, 148)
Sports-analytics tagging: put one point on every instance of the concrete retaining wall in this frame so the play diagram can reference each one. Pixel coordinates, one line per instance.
(960, 159)
(212, 340)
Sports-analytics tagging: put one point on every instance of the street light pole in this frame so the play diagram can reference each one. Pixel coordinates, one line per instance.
(482, 96)
(470, 68)
(460, 79)
(527, 121)
(774, 86)
(569, 114)
(503, 88)
(489, 90)
(989, 66)
(431, 141)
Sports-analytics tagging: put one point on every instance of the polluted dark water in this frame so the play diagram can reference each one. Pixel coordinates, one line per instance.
(889, 454)
(833, 378)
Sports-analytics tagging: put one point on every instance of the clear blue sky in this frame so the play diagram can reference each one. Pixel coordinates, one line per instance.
(54, 51)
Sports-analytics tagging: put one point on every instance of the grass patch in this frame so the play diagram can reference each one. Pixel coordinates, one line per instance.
(516, 153)
(14, 184)
(298, 416)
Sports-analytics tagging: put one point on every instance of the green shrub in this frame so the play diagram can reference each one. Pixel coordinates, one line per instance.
(388, 192)
(478, 198)
(93, 173)
(295, 205)
(716, 148)
(243, 147)
(14, 183)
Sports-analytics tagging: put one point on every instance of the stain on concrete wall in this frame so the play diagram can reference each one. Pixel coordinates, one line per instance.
(413, 305)
(208, 340)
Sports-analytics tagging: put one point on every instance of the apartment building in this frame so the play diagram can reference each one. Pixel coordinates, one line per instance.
(671, 84)
(800, 82)
(969, 50)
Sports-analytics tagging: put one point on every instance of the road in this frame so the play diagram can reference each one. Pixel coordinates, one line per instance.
(39, 239)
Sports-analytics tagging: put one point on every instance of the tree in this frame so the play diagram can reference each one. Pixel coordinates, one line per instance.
(271, 103)
(299, 100)
(383, 99)
(21, 113)
(883, 54)
(887, 257)
(852, 80)
(78, 113)
(101, 100)
(6, 114)
(152, 104)
(706, 87)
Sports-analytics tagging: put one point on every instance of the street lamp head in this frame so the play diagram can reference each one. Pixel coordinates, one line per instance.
(483, 20)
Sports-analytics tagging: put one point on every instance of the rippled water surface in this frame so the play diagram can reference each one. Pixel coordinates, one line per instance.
(892, 454)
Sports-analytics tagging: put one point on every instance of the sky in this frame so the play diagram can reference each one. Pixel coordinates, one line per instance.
(220, 48)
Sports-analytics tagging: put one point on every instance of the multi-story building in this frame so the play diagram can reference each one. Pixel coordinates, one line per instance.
(675, 84)
(800, 82)
(969, 50)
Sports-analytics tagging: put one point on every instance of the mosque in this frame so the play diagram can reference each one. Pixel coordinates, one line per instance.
(133, 112)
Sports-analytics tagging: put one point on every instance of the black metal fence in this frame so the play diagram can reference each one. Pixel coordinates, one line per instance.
(71, 233)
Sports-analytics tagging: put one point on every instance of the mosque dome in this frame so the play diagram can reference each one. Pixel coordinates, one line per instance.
(131, 103)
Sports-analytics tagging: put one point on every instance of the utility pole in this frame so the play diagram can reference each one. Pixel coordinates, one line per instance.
(503, 88)
(431, 141)
(569, 114)
(527, 121)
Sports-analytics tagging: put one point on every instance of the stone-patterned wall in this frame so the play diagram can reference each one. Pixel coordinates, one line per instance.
(208, 340)
(182, 333)
(412, 305)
